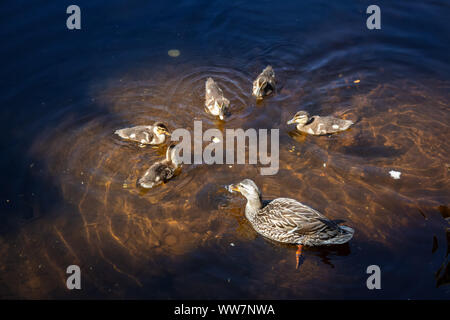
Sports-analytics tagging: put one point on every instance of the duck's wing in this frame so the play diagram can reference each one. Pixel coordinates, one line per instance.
(325, 125)
(166, 172)
(315, 126)
(266, 79)
(335, 124)
(141, 134)
(298, 223)
(158, 173)
(289, 214)
(287, 220)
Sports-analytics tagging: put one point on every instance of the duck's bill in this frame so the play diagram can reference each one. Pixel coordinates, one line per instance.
(292, 121)
(232, 188)
(163, 131)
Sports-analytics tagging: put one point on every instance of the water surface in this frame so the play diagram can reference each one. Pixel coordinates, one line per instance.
(69, 195)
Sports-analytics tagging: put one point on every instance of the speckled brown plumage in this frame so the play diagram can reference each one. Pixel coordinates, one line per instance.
(317, 125)
(264, 84)
(151, 134)
(162, 171)
(289, 221)
(215, 101)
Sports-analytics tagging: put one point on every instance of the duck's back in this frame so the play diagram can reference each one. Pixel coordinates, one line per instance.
(267, 76)
(325, 125)
(158, 173)
(164, 170)
(212, 90)
(289, 221)
(141, 134)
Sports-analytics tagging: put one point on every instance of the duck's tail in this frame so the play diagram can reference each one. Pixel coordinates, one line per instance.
(347, 124)
(345, 236)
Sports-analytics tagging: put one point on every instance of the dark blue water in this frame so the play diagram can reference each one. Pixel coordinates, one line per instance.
(68, 193)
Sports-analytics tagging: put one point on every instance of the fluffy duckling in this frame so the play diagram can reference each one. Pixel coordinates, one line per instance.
(264, 84)
(289, 221)
(319, 125)
(155, 134)
(215, 102)
(161, 171)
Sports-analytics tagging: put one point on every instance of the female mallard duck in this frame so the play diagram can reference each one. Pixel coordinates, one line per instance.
(264, 84)
(289, 221)
(215, 102)
(162, 171)
(155, 134)
(319, 125)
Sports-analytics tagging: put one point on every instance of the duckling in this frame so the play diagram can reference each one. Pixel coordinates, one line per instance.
(215, 102)
(161, 171)
(316, 125)
(264, 84)
(289, 221)
(154, 135)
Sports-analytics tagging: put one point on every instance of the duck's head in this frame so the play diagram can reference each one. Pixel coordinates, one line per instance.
(247, 188)
(160, 128)
(300, 117)
(172, 154)
(222, 104)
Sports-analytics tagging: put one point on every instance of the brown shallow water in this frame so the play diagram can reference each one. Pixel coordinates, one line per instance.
(77, 202)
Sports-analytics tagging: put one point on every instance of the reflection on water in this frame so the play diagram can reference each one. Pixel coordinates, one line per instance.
(75, 200)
